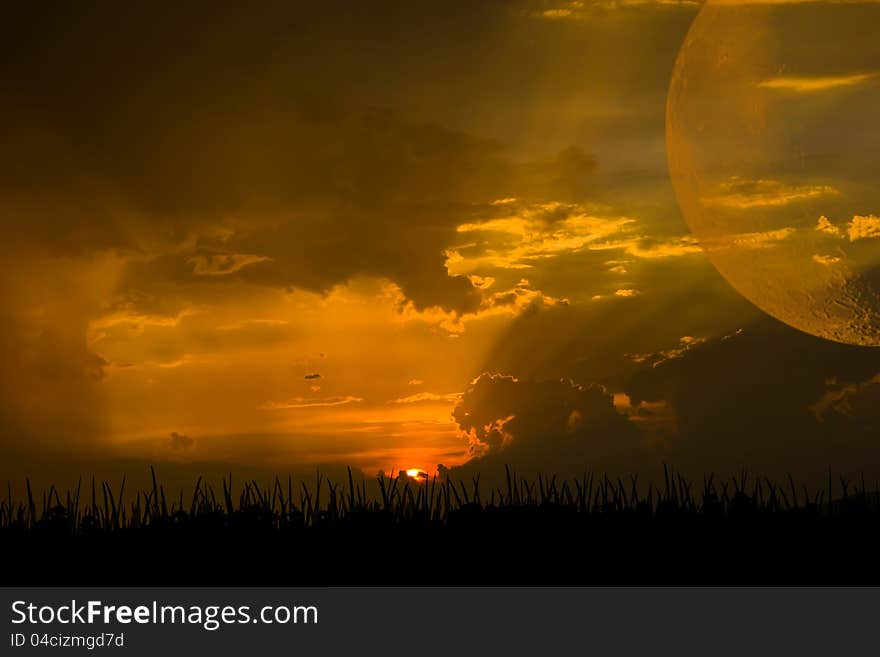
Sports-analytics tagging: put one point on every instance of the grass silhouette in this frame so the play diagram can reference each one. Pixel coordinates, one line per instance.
(589, 530)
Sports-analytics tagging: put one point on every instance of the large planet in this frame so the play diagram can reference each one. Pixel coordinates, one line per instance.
(773, 142)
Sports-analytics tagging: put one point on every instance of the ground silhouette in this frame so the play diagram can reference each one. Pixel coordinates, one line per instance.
(592, 530)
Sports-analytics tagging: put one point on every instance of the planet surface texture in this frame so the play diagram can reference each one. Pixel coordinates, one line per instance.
(773, 142)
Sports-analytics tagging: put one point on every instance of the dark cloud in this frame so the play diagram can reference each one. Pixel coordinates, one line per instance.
(312, 376)
(272, 164)
(554, 426)
(179, 441)
(767, 397)
(302, 145)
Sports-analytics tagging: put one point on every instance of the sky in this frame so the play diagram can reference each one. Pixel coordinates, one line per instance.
(390, 235)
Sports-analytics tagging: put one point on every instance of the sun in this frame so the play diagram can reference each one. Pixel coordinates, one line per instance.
(417, 474)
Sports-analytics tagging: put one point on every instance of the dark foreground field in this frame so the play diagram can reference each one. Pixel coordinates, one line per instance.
(416, 532)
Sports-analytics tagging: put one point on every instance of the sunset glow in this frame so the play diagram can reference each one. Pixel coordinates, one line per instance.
(315, 239)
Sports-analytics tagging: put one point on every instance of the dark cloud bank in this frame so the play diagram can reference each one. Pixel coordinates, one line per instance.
(766, 398)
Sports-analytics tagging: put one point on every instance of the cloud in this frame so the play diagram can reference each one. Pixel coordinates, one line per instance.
(301, 186)
(185, 359)
(685, 343)
(751, 397)
(533, 233)
(526, 236)
(802, 84)
(744, 194)
(310, 233)
(579, 10)
(864, 227)
(312, 376)
(792, 2)
(129, 319)
(512, 302)
(421, 397)
(180, 442)
(765, 239)
(854, 401)
(222, 264)
(824, 225)
(555, 425)
(310, 402)
(244, 324)
(207, 335)
(859, 228)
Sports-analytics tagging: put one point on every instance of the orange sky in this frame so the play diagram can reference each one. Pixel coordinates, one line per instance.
(297, 236)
